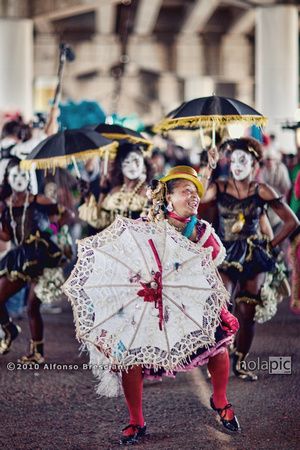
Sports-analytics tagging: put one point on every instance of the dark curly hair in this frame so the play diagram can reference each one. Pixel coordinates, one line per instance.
(123, 151)
(249, 145)
(5, 189)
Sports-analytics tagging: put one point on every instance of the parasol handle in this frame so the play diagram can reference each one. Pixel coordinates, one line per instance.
(213, 138)
(105, 165)
(78, 175)
(202, 141)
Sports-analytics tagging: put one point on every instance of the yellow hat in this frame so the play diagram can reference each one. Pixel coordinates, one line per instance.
(187, 173)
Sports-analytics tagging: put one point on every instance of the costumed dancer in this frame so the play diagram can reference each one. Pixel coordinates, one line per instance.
(123, 192)
(176, 198)
(295, 258)
(250, 255)
(29, 222)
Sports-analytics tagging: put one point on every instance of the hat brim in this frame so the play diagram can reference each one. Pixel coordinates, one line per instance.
(188, 177)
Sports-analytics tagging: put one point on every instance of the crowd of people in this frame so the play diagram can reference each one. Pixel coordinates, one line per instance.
(235, 201)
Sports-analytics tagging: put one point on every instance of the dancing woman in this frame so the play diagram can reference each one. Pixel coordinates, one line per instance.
(123, 192)
(25, 220)
(176, 198)
(241, 203)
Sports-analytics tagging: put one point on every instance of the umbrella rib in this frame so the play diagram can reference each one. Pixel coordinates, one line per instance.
(182, 310)
(196, 288)
(116, 259)
(139, 247)
(109, 317)
(168, 343)
(181, 265)
(91, 286)
(136, 330)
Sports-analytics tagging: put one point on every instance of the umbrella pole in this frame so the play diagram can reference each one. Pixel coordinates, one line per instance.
(202, 138)
(78, 175)
(213, 138)
(105, 165)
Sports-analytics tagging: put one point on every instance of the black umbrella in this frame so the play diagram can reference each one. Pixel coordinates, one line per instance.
(209, 112)
(119, 133)
(67, 146)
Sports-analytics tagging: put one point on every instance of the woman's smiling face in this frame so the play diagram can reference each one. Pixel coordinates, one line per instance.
(241, 164)
(184, 198)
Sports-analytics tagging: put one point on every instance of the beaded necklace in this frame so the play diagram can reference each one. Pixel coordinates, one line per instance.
(13, 223)
(133, 194)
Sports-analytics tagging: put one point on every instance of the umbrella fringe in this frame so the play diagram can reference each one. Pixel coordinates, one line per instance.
(132, 139)
(207, 121)
(62, 161)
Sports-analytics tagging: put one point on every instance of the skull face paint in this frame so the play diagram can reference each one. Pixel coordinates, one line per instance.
(133, 166)
(240, 164)
(18, 179)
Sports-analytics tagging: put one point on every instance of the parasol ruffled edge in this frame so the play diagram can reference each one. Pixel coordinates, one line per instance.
(194, 122)
(63, 161)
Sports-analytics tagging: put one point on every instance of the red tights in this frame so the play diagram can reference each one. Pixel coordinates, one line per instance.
(218, 367)
(132, 381)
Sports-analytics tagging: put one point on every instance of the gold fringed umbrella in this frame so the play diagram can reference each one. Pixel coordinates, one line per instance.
(120, 133)
(211, 113)
(67, 147)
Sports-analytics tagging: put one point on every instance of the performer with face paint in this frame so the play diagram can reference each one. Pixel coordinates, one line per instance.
(25, 221)
(123, 192)
(241, 204)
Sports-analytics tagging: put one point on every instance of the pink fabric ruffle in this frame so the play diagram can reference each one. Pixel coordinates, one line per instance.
(196, 362)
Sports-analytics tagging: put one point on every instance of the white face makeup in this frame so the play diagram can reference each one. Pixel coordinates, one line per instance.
(18, 179)
(133, 166)
(241, 164)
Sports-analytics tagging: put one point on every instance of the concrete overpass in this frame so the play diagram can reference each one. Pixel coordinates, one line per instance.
(146, 56)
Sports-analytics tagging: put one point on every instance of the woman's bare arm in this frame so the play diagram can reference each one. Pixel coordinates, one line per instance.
(289, 219)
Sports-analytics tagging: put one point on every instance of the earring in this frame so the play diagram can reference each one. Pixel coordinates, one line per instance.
(170, 207)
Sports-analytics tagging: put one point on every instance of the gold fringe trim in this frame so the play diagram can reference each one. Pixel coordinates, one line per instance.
(248, 300)
(131, 139)
(62, 161)
(226, 264)
(194, 122)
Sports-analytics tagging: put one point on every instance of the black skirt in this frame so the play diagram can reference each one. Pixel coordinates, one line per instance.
(28, 260)
(245, 258)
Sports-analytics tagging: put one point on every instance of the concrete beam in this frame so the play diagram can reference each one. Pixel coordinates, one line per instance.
(146, 16)
(198, 16)
(59, 10)
(245, 24)
(106, 18)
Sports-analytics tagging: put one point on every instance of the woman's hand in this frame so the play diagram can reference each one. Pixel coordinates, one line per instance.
(229, 322)
(213, 157)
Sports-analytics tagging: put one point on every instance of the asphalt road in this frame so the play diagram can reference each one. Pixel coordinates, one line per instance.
(56, 409)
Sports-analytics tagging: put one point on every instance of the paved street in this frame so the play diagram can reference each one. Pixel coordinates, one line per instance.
(58, 409)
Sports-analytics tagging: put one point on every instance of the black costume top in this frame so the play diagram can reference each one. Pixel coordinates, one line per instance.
(247, 251)
(37, 251)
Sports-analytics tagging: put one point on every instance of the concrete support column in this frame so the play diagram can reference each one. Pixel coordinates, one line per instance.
(195, 87)
(235, 57)
(16, 65)
(277, 67)
(189, 56)
(169, 91)
(148, 54)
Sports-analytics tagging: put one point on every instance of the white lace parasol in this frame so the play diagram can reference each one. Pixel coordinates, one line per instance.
(143, 294)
